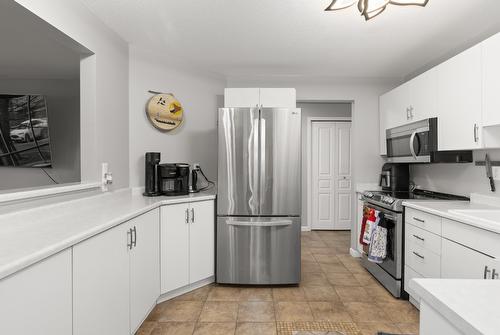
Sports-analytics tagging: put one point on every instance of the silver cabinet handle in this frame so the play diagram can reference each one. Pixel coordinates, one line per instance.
(418, 255)
(129, 239)
(494, 274)
(187, 215)
(476, 137)
(486, 271)
(407, 113)
(419, 220)
(419, 238)
(134, 235)
(192, 215)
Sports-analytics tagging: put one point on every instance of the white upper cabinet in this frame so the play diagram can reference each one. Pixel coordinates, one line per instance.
(394, 111)
(459, 101)
(423, 96)
(491, 81)
(260, 97)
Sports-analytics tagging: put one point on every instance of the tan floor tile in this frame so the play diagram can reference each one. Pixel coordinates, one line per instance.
(200, 294)
(313, 244)
(326, 259)
(380, 293)
(256, 311)
(366, 312)
(288, 294)
(256, 294)
(177, 328)
(323, 251)
(147, 328)
(334, 267)
(354, 267)
(327, 311)
(293, 311)
(314, 279)
(246, 328)
(219, 311)
(371, 328)
(352, 294)
(215, 328)
(342, 279)
(321, 293)
(180, 311)
(307, 257)
(400, 311)
(224, 293)
(409, 328)
(365, 279)
(310, 267)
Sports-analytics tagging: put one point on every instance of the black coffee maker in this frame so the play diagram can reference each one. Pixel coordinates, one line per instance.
(395, 177)
(174, 178)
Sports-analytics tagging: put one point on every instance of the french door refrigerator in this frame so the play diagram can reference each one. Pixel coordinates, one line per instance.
(259, 196)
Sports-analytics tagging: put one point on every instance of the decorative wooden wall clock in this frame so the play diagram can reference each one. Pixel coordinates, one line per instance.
(164, 111)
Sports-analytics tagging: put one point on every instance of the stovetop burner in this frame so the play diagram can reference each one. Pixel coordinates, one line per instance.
(394, 200)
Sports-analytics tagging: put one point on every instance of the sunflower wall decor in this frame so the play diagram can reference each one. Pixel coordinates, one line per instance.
(372, 8)
(164, 111)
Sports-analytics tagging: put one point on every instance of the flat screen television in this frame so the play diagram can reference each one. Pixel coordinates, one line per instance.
(24, 131)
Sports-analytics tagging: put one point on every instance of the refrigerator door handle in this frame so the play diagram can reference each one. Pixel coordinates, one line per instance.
(262, 165)
(276, 223)
(253, 167)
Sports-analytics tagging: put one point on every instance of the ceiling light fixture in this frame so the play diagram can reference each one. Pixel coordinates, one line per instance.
(371, 8)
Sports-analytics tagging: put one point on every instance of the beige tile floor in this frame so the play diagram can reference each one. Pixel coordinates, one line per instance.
(334, 287)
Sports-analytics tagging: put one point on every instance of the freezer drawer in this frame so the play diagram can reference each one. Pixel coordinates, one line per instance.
(258, 250)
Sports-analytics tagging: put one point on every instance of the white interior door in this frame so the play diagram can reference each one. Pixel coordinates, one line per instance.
(331, 202)
(343, 182)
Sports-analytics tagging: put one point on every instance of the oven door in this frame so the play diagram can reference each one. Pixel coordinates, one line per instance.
(392, 264)
(412, 143)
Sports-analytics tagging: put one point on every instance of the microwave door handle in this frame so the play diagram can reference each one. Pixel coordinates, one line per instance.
(412, 146)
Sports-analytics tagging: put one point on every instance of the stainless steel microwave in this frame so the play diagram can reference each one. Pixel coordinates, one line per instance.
(417, 142)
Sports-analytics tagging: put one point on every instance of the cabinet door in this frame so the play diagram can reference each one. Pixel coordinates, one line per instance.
(491, 80)
(383, 110)
(37, 300)
(278, 97)
(460, 262)
(396, 105)
(201, 241)
(174, 245)
(144, 266)
(101, 284)
(241, 97)
(459, 101)
(423, 96)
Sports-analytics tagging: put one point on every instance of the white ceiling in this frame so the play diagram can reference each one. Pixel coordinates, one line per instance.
(30, 48)
(296, 37)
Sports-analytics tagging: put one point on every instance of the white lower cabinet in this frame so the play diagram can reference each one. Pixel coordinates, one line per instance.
(37, 300)
(187, 244)
(116, 277)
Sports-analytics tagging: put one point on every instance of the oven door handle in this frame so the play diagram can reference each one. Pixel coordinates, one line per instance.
(412, 144)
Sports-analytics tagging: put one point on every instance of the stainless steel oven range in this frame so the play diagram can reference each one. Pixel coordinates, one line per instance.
(390, 272)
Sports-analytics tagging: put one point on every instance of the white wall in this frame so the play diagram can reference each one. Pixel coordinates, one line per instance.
(104, 90)
(316, 110)
(63, 106)
(461, 179)
(200, 94)
(364, 94)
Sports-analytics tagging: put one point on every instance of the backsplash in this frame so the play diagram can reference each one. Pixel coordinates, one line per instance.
(461, 179)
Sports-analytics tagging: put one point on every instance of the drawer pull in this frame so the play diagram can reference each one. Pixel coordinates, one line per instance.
(419, 238)
(486, 271)
(418, 255)
(419, 220)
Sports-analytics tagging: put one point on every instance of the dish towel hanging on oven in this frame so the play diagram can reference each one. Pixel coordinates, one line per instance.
(378, 246)
(370, 224)
(366, 214)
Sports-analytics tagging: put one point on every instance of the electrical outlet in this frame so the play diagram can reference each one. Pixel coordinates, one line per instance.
(496, 172)
(106, 177)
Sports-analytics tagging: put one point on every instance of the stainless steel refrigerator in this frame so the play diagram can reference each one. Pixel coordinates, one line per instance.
(259, 196)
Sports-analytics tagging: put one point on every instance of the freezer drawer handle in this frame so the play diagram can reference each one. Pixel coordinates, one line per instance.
(419, 220)
(259, 223)
(419, 238)
(418, 255)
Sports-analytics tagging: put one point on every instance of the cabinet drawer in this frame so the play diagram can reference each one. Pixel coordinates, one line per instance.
(423, 220)
(423, 239)
(425, 262)
(479, 239)
(409, 275)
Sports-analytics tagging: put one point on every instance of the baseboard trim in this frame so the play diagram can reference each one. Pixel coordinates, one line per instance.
(306, 228)
(185, 289)
(354, 253)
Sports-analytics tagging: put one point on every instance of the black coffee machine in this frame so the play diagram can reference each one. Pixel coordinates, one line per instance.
(395, 177)
(174, 178)
(152, 183)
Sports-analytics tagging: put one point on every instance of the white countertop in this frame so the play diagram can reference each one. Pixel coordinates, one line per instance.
(471, 305)
(443, 208)
(31, 235)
